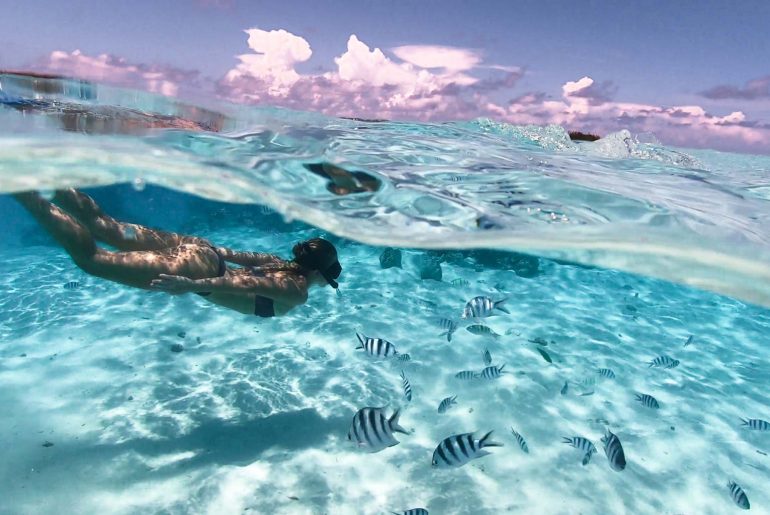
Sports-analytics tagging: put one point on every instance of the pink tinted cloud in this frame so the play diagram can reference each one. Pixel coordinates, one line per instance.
(164, 80)
(427, 83)
(368, 83)
(594, 93)
(754, 89)
(275, 54)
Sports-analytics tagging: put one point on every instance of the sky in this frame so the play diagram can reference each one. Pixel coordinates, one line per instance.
(695, 74)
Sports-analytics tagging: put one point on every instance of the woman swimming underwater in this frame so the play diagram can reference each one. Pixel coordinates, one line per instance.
(264, 285)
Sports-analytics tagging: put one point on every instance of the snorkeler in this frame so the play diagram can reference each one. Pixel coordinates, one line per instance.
(265, 285)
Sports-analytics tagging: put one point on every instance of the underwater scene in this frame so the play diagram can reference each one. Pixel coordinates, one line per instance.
(220, 309)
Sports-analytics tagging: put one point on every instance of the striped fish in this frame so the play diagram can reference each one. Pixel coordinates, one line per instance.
(614, 451)
(481, 330)
(404, 357)
(413, 511)
(648, 401)
(460, 282)
(565, 388)
(407, 387)
(72, 285)
(738, 495)
(449, 327)
(756, 424)
(587, 383)
(467, 375)
(664, 362)
(371, 429)
(607, 373)
(584, 444)
(487, 357)
(520, 440)
(482, 307)
(457, 450)
(376, 346)
(447, 403)
(492, 372)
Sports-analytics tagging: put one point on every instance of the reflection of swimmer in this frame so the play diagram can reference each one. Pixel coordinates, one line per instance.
(265, 285)
(97, 119)
(342, 182)
(582, 136)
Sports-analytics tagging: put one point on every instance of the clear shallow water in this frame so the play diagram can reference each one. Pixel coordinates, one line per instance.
(255, 413)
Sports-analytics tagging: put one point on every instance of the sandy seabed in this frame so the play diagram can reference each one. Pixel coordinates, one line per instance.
(252, 416)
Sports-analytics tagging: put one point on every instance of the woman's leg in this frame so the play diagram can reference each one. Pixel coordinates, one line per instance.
(131, 268)
(121, 235)
(76, 239)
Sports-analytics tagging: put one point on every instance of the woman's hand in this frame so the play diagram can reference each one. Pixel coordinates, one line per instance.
(173, 284)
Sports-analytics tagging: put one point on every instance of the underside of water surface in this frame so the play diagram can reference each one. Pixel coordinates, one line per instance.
(610, 254)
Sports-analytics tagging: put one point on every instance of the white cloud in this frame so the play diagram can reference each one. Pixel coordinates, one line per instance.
(275, 54)
(570, 88)
(359, 63)
(432, 56)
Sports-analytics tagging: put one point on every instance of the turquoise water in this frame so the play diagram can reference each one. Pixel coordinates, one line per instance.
(625, 249)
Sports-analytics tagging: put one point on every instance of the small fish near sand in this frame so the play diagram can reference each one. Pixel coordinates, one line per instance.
(544, 354)
(71, 285)
(540, 341)
(447, 403)
(483, 307)
(587, 385)
(648, 401)
(467, 375)
(614, 451)
(520, 440)
(583, 444)
(449, 326)
(481, 330)
(664, 361)
(457, 450)
(413, 511)
(607, 373)
(756, 424)
(373, 431)
(403, 358)
(688, 342)
(492, 372)
(565, 388)
(738, 496)
(376, 346)
(487, 357)
(407, 387)
(460, 282)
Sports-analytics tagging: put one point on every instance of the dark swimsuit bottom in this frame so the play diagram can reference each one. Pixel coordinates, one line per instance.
(263, 306)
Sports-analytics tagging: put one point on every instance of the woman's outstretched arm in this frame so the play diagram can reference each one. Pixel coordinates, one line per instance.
(282, 289)
(247, 258)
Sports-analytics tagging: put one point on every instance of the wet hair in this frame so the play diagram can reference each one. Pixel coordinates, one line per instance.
(316, 254)
(320, 255)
